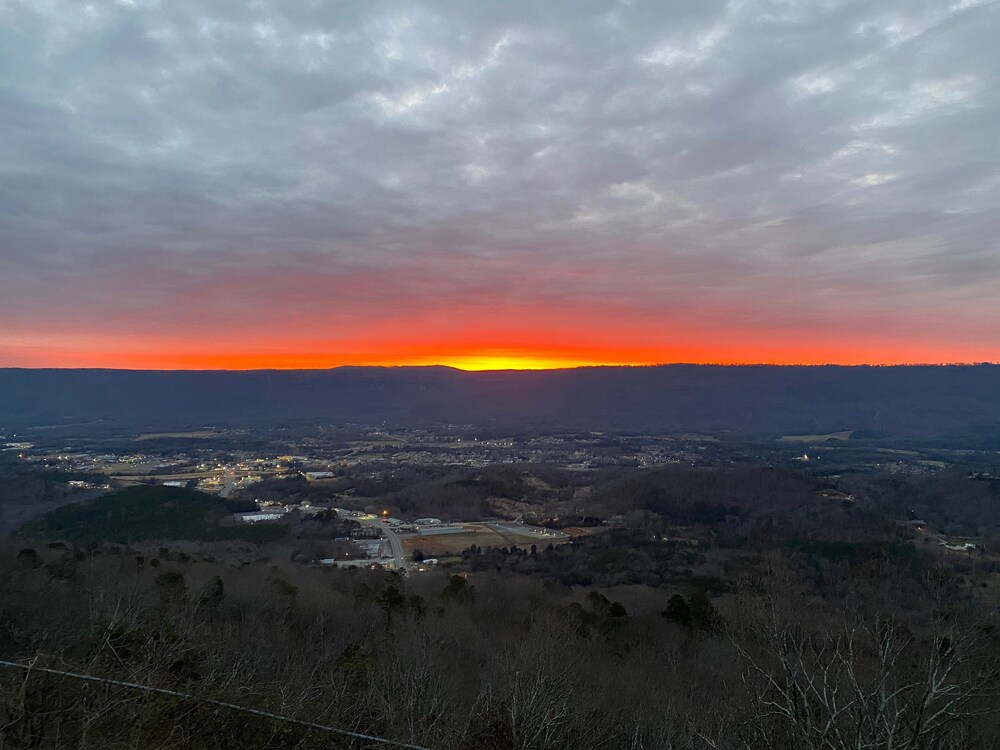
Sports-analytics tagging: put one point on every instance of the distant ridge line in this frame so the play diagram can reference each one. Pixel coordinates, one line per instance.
(648, 366)
(917, 401)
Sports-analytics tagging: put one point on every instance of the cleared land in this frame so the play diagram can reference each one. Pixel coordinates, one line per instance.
(438, 545)
(842, 435)
(574, 532)
(194, 435)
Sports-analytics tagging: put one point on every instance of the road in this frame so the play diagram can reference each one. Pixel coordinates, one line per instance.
(230, 485)
(394, 544)
(509, 527)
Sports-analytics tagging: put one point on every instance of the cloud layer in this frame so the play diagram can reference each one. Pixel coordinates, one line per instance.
(195, 183)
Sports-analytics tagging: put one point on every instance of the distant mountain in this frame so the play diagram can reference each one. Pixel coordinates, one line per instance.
(904, 401)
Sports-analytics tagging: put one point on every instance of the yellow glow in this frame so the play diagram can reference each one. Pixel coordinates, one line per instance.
(492, 362)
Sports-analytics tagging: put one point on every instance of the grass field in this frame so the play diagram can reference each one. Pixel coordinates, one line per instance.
(843, 435)
(575, 532)
(437, 545)
(194, 435)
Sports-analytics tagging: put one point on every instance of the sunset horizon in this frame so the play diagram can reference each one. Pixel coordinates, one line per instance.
(551, 375)
(514, 187)
(471, 363)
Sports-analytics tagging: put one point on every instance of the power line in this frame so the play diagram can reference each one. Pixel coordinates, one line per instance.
(213, 702)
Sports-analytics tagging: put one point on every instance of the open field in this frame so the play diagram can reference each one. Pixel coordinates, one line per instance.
(139, 475)
(193, 435)
(436, 545)
(575, 532)
(843, 435)
(448, 544)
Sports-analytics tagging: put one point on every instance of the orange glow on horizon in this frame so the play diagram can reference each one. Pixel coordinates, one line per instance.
(473, 335)
(197, 358)
(525, 342)
(473, 362)
(486, 362)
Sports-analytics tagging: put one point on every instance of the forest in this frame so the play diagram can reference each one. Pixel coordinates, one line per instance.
(875, 653)
(718, 606)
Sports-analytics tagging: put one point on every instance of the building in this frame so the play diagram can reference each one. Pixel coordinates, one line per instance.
(258, 516)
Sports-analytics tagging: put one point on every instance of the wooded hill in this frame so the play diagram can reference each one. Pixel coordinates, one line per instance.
(145, 513)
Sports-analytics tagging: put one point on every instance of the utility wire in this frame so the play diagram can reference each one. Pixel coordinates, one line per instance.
(213, 702)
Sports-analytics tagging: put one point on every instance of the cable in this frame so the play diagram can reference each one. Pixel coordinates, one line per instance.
(213, 702)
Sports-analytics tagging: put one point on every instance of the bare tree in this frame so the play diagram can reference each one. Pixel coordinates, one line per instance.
(864, 683)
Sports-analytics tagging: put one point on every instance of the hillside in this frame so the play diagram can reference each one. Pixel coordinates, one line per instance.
(146, 513)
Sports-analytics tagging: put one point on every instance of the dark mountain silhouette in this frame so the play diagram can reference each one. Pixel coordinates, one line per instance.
(903, 401)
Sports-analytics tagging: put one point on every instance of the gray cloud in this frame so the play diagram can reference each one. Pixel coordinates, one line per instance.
(833, 163)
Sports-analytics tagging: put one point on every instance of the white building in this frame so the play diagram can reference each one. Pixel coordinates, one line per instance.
(258, 516)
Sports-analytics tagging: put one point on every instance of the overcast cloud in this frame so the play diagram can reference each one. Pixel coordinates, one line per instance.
(830, 168)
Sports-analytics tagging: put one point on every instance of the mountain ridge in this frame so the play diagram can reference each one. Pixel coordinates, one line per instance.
(755, 400)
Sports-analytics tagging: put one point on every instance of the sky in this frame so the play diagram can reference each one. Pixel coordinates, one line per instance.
(234, 184)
